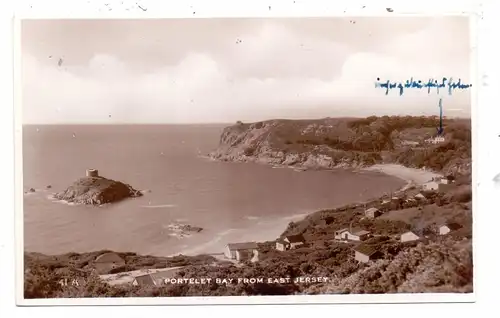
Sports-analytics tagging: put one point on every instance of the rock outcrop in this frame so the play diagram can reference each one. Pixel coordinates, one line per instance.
(97, 191)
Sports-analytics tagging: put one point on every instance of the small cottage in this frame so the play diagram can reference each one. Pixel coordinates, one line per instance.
(242, 251)
(108, 261)
(410, 236)
(342, 234)
(290, 242)
(365, 253)
(351, 235)
(372, 213)
(431, 186)
(448, 227)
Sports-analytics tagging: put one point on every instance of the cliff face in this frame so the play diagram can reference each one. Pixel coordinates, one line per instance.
(97, 190)
(281, 142)
(349, 143)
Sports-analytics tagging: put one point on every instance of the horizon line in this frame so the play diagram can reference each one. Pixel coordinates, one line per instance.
(232, 122)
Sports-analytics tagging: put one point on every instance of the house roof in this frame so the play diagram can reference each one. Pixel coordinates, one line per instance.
(431, 182)
(365, 249)
(282, 241)
(163, 274)
(342, 230)
(108, 258)
(242, 246)
(412, 232)
(297, 238)
(452, 225)
(145, 280)
(361, 232)
(370, 210)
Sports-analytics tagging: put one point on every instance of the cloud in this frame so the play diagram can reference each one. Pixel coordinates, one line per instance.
(271, 73)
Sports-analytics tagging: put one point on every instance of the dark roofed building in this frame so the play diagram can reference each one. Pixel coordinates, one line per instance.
(144, 280)
(156, 278)
(365, 253)
(297, 238)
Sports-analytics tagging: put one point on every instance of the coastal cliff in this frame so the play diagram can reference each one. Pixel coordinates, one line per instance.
(350, 143)
(97, 190)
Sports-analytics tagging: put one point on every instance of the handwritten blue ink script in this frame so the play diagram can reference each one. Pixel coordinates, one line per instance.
(431, 84)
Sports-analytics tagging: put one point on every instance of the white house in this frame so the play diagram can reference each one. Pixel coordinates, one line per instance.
(372, 213)
(290, 242)
(354, 235)
(342, 234)
(242, 251)
(448, 227)
(435, 140)
(410, 236)
(432, 185)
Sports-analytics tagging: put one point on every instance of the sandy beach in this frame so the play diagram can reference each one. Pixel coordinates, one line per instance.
(411, 175)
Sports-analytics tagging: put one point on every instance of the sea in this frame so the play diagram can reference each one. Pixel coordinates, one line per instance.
(232, 202)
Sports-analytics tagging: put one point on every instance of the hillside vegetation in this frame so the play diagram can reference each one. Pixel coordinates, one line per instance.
(350, 142)
(435, 264)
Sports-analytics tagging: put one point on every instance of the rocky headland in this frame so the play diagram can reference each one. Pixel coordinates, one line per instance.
(350, 143)
(97, 190)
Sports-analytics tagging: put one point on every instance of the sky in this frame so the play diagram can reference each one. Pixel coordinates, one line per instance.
(223, 70)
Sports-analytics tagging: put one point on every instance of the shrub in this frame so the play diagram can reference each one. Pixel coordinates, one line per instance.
(249, 151)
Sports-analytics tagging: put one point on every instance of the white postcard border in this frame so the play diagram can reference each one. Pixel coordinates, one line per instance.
(317, 299)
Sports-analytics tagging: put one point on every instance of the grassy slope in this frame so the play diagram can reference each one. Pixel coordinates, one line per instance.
(352, 141)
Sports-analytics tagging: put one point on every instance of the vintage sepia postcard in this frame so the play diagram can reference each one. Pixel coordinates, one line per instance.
(205, 160)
